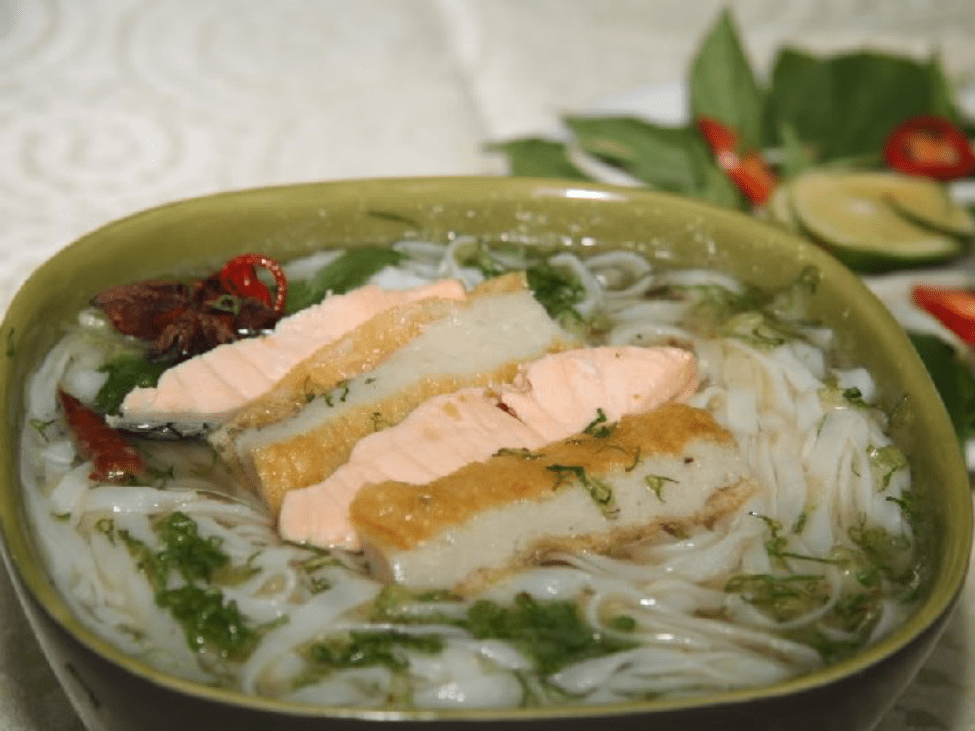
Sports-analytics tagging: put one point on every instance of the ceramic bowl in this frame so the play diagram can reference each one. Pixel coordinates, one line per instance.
(116, 692)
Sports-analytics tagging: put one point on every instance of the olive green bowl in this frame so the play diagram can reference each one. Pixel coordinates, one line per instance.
(116, 692)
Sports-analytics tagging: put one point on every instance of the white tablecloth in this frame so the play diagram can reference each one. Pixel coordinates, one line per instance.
(110, 106)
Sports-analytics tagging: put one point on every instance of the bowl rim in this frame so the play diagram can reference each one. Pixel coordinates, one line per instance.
(20, 558)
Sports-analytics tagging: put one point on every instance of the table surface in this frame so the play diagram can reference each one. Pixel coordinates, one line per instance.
(111, 106)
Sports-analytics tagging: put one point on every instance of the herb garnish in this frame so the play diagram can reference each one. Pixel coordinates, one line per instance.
(600, 492)
(656, 484)
(557, 290)
(598, 427)
(802, 111)
(209, 621)
(552, 634)
(126, 371)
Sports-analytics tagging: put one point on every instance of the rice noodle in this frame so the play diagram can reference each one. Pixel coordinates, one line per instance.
(810, 451)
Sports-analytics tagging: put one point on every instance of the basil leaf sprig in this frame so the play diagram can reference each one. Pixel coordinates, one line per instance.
(813, 110)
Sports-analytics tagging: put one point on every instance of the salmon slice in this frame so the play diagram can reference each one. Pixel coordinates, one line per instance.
(672, 468)
(550, 399)
(210, 388)
(481, 344)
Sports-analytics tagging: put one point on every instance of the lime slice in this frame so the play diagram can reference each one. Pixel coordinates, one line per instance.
(928, 203)
(854, 216)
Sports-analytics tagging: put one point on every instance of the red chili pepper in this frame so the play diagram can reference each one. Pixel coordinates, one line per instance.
(954, 308)
(113, 459)
(931, 146)
(749, 171)
(239, 277)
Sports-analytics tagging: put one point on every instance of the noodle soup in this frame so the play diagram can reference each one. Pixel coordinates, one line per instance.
(186, 567)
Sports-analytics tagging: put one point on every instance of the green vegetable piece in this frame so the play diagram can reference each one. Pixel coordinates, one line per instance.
(600, 492)
(885, 462)
(845, 106)
(656, 484)
(557, 290)
(364, 649)
(541, 158)
(125, 372)
(209, 621)
(552, 634)
(598, 426)
(665, 158)
(723, 84)
(953, 378)
(783, 597)
(348, 271)
(195, 557)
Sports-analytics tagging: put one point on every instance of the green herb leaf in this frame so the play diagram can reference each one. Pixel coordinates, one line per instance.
(953, 378)
(125, 372)
(537, 157)
(557, 290)
(195, 557)
(656, 484)
(348, 271)
(666, 158)
(723, 85)
(845, 106)
(552, 634)
(209, 621)
(598, 427)
(600, 491)
(363, 649)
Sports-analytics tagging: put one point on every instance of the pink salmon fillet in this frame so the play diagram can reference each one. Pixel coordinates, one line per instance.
(210, 388)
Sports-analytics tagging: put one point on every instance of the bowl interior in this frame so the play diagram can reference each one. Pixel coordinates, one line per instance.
(286, 222)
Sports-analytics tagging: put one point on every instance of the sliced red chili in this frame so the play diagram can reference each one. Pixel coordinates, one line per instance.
(954, 308)
(239, 277)
(748, 170)
(931, 146)
(113, 458)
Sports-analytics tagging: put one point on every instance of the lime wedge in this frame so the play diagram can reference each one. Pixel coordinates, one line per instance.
(854, 215)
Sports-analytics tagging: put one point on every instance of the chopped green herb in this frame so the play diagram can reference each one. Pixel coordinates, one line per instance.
(600, 492)
(656, 484)
(125, 372)
(522, 452)
(364, 649)
(884, 556)
(885, 462)
(209, 621)
(598, 427)
(783, 597)
(552, 634)
(557, 290)
(194, 557)
(337, 395)
(42, 426)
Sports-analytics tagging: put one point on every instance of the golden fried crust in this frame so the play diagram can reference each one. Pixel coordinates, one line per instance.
(317, 453)
(403, 515)
(357, 352)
